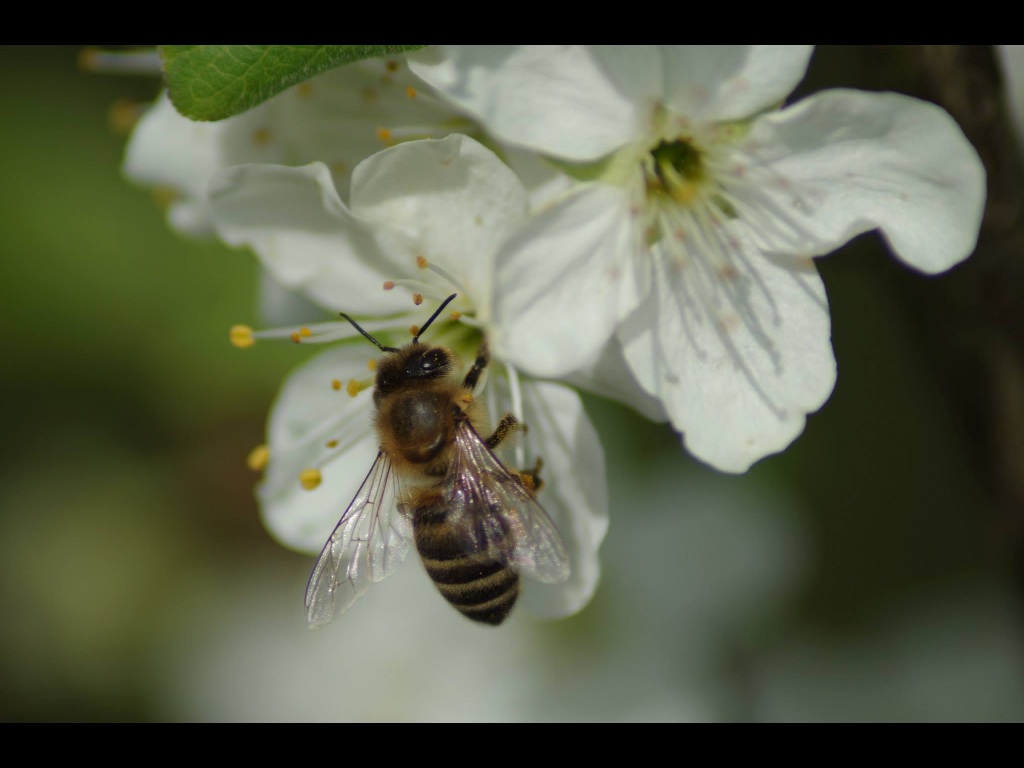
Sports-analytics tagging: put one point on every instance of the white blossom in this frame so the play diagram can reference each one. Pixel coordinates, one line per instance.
(426, 220)
(690, 235)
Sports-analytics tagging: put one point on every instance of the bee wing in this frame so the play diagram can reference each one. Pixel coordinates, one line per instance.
(499, 514)
(370, 540)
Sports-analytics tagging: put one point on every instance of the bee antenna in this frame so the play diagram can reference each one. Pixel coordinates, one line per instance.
(376, 343)
(433, 317)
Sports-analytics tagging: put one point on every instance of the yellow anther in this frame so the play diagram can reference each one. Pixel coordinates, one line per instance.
(414, 330)
(371, 364)
(410, 92)
(417, 299)
(332, 443)
(305, 332)
(383, 134)
(310, 478)
(261, 137)
(456, 315)
(123, 115)
(87, 59)
(304, 89)
(241, 336)
(296, 337)
(391, 65)
(335, 385)
(421, 262)
(389, 285)
(354, 387)
(684, 193)
(258, 458)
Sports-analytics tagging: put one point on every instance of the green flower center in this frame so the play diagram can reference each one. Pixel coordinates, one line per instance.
(676, 169)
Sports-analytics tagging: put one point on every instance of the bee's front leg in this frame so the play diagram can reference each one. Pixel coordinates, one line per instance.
(483, 357)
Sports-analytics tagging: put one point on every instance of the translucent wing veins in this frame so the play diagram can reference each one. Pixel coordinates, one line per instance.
(370, 540)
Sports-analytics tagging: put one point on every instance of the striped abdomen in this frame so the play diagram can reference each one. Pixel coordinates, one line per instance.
(478, 586)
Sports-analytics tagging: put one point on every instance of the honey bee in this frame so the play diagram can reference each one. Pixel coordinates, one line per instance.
(437, 483)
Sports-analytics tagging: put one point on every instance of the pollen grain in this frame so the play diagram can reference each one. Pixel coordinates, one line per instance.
(310, 478)
(258, 458)
(241, 336)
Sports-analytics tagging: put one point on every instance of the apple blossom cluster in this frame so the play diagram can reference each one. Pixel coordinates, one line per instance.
(639, 221)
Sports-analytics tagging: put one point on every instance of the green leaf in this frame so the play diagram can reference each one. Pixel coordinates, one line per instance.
(211, 82)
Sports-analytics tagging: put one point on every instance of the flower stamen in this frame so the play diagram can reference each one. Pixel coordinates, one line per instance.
(258, 458)
(310, 479)
(355, 386)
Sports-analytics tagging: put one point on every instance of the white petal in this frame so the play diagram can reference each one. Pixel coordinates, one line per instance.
(348, 113)
(737, 359)
(307, 414)
(844, 162)
(170, 151)
(452, 199)
(336, 118)
(565, 279)
(558, 100)
(710, 83)
(575, 493)
(609, 375)
(304, 235)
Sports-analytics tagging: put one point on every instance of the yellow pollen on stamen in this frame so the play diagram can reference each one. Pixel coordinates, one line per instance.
(354, 387)
(417, 299)
(123, 115)
(684, 193)
(414, 330)
(258, 458)
(335, 384)
(87, 59)
(241, 336)
(332, 443)
(389, 285)
(371, 364)
(384, 135)
(310, 478)
(296, 338)
(305, 332)
(456, 315)
(164, 196)
(421, 262)
(391, 65)
(410, 92)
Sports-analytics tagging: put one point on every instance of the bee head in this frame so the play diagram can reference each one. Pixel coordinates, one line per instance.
(413, 362)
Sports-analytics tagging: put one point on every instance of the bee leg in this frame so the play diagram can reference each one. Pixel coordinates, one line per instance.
(506, 426)
(531, 477)
(483, 356)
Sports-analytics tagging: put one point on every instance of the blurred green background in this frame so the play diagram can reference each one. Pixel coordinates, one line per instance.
(872, 572)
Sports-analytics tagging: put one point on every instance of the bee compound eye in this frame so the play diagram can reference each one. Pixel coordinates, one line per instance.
(431, 361)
